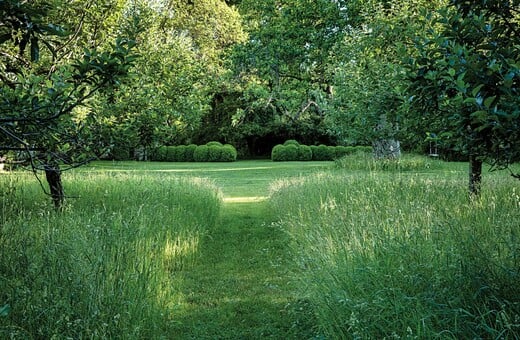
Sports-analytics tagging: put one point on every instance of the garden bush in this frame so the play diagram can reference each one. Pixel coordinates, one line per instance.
(277, 154)
(291, 142)
(159, 154)
(228, 153)
(304, 153)
(190, 149)
(323, 153)
(179, 153)
(214, 152)
(201, 153)
(290, 152)
(211, 152)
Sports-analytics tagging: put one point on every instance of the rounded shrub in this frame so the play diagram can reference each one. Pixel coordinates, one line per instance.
(180, 153)
(228, 153)
(214, 152)
(323, 153)
(291, 152)
(291, 142)
(340, 151)
(363, 149)
(201, 153)
(277, 154)
(190, 149)
(159, 154)
(214, 143)
(304, 153)
(170, 154)
(350, 150)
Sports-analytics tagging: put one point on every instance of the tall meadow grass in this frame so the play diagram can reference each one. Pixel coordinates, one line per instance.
(394, 256)
(108, 266)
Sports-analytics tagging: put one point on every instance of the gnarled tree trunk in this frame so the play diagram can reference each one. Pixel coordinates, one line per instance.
(53, 176)
(475, 176)
(386, 149)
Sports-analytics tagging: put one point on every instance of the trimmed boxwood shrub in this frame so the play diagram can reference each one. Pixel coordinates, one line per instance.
(159, 154)
(291, 142)
(324, 153)
(341, 151)
(190, 149)
(277, 154)
(304, 153)
(213, 143)
(179, 153)
(201, 153)
(228, 153)
(214, 152)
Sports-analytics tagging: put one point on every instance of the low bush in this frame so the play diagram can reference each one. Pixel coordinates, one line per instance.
(201, 153)
(304, 153)
(277, 154)
(291, 152)
(190, 149)
(323, 153)
(228, 153)
(211, 152)
(291, 142)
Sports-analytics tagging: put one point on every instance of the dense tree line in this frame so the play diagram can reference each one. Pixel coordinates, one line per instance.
(82, 80)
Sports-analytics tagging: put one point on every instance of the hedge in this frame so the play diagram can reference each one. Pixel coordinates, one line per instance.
(291, 150)
(211, 152)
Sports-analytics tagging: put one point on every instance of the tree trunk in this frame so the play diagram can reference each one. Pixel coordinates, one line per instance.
(53, 176)
(475, 176)
(387, 149)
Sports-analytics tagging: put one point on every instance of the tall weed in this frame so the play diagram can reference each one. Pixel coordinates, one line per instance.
(394, 256)
(109, 265)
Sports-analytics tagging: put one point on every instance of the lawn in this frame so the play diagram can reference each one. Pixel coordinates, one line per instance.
(258, 249)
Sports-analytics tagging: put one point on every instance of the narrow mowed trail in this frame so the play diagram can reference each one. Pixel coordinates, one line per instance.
(242, 285)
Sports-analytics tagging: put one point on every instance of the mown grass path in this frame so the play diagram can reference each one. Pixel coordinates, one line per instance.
(242, 285)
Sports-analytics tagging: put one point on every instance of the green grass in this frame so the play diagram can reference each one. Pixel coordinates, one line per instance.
(237, 179)
(406, 255)
(213, 251)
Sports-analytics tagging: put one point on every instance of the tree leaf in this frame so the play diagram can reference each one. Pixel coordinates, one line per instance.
(35, 50)
(4, 310)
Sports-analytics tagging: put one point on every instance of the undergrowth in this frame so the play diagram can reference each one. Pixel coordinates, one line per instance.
(394, 256)
(110, 265)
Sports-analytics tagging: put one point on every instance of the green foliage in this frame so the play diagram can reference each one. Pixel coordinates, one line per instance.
(190, 150)
(228, 153)
(304, 153)
(211, 152)
(277, 154)
(214, 144)
(354, 239)
(465, 80)
(201, 153)
(367, 162)
(124, 238)
(291, 142)
(323, 153)
(291, 152)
